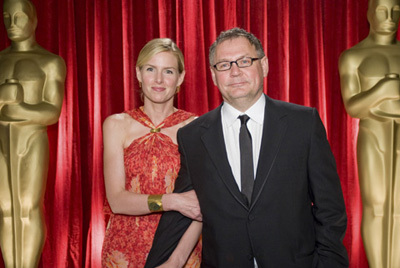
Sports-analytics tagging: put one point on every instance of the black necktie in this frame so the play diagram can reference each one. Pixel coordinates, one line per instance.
(246, 159)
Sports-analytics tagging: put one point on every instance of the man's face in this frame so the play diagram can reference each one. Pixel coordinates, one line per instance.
(384, 16)
(18, 20)
(240, 87)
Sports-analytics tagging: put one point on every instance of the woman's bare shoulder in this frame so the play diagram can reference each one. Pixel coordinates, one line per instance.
(119, 122)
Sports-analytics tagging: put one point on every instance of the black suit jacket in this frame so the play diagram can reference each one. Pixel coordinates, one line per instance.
(297, 215)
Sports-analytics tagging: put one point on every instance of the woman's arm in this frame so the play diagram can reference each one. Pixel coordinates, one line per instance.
(121, 201)
(185, 247)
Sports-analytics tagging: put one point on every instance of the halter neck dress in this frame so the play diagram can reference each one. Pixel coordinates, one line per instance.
(152, 163)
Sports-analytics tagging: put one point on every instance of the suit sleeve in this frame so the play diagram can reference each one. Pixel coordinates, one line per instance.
(172, 224)
(328, 204)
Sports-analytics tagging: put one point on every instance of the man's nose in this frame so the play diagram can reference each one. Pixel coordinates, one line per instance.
(235, 70)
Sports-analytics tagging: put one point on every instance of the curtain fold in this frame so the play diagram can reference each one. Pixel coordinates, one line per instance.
(100, 40)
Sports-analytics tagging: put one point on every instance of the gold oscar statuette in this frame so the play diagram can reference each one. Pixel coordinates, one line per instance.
(31, 95)
(370, 87)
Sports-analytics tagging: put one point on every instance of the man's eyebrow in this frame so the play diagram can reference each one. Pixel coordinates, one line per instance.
(238, 58)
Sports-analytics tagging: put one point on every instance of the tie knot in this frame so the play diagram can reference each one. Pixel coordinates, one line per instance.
(244, 118)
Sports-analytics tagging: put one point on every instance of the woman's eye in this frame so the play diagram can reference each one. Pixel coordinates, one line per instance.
(169, 71)
(149, 69)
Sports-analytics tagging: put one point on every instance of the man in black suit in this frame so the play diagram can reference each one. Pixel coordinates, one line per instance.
(292, 213)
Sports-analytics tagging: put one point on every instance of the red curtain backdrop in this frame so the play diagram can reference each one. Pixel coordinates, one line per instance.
(100, 41)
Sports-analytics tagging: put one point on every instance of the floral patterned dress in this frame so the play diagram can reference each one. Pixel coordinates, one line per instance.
(151, 166)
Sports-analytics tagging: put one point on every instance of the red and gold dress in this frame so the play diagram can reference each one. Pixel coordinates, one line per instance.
(151, 163)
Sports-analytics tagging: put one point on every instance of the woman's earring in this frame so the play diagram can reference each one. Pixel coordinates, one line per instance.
(140, 84)
(178, 88)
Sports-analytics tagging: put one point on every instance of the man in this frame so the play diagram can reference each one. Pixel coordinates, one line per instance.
(31, 95)
(294, 214)
(370, 85)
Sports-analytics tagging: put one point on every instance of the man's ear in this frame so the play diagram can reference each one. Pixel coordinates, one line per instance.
(213, 75)
(265, 66)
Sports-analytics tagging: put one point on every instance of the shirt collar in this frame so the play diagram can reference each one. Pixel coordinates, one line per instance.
(255, 112)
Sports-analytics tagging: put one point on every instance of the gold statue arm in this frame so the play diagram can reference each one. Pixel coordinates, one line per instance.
(48, 110)
(359, 103)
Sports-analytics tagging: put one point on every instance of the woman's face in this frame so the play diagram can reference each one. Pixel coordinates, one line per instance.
(160, 78)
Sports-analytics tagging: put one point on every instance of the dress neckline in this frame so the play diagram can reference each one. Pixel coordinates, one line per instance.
(171, 120)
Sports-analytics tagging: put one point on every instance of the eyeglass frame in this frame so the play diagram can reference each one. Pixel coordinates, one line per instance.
(236, 62)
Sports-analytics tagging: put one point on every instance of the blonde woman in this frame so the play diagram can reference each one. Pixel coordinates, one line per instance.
(141, 163)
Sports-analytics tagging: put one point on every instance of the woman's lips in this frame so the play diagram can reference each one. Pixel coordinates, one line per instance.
(158, 89)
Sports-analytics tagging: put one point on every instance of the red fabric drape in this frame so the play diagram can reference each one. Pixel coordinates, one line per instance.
(100, 40)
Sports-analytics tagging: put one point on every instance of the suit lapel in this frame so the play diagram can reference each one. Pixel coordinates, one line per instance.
(213, 140)
(273, 131)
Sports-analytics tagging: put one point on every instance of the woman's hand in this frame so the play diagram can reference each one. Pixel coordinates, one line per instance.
(186, 203)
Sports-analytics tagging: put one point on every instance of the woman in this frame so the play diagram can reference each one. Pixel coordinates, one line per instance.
(141, 163)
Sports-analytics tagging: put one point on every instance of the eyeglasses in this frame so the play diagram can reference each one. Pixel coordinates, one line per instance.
(241, 63)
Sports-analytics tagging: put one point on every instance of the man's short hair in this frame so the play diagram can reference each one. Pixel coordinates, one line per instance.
(232, 34)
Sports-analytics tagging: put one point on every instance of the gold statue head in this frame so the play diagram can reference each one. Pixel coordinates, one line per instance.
(20, 19)
(156, 46)
(383, 16)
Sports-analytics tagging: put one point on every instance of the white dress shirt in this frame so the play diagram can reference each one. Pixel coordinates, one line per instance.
(231, 127)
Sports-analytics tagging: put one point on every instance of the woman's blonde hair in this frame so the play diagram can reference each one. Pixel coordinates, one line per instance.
(156, 46)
